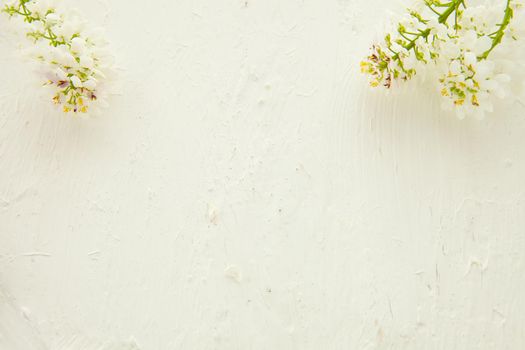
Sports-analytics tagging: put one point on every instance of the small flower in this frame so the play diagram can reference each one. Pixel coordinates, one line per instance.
(77, 83)
(52, 18)
(465, 44)
(74, 63)
(78, 45)
(90, 84)
(86, 61)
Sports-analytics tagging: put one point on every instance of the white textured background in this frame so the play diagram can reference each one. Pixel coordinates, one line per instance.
(248, 191)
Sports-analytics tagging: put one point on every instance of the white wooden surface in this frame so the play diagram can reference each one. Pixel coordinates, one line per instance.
(248, 191)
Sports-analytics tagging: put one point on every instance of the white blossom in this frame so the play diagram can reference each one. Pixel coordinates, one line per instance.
(473, 46)
(74, 63)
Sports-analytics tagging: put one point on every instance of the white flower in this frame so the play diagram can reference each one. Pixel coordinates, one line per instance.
(436, 28)
(66, 58)
(69, 28)
(485, 69)
(73, 63)
(90, 84)
(87, 62)
(78, 45)
(76, 81)
(470, 59)
(52, 18)
(60, 75)
(474, 51)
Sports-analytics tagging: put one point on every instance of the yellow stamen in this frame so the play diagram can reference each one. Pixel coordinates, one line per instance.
(364, 67)
(475, 101)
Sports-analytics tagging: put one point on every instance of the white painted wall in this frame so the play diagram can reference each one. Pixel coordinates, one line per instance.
(248, 191)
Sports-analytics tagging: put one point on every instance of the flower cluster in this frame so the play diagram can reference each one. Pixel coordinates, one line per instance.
(472, 45)
(73, 60)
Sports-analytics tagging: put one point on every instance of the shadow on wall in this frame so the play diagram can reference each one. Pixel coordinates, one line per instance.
(407, 126)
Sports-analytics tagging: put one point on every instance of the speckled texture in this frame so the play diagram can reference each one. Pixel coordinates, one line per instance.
(248, 191)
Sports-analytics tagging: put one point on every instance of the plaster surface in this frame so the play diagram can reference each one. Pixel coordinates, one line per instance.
(248, 191)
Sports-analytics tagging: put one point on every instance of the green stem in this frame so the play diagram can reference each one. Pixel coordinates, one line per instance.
(498, 36)
(28, 17)
(451, 7)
